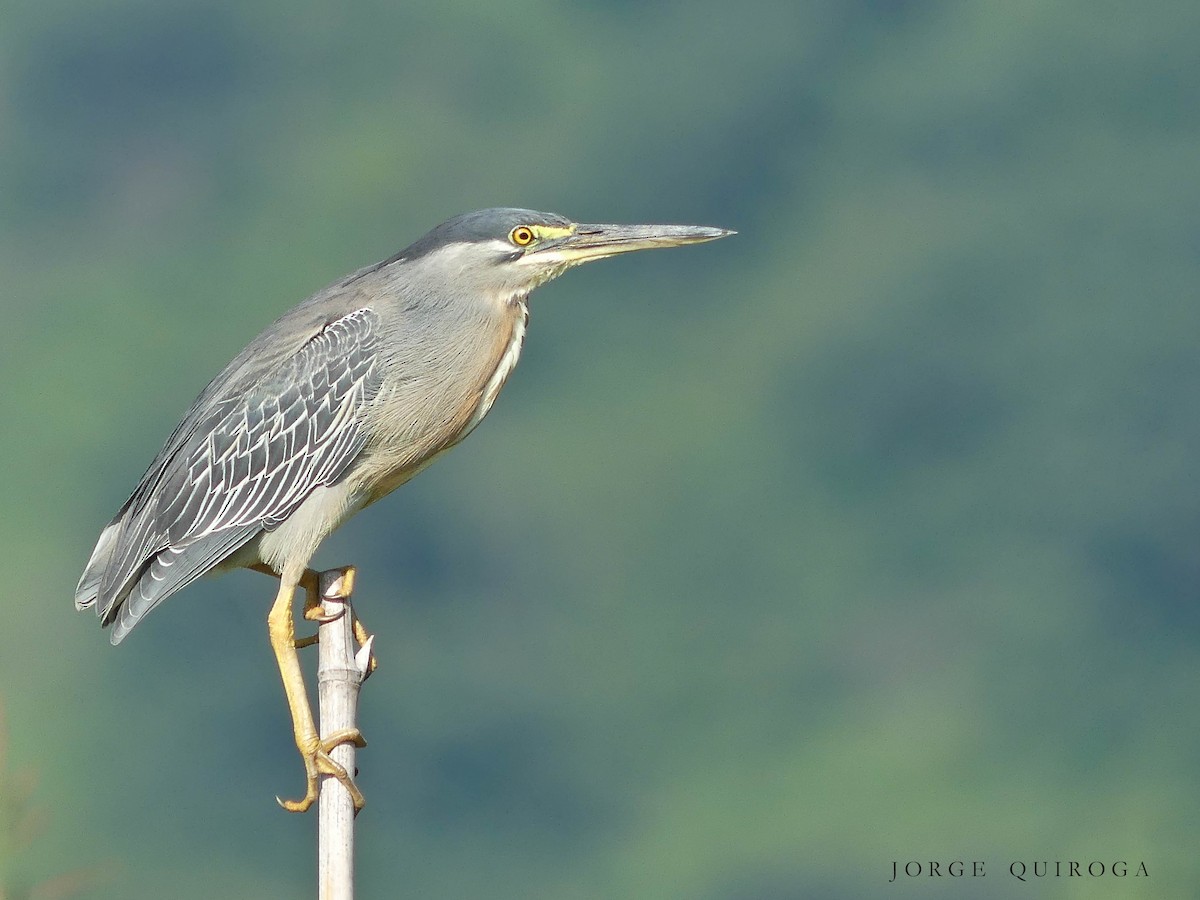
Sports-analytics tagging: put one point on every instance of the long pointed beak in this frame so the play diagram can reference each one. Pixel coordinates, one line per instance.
(588, 242)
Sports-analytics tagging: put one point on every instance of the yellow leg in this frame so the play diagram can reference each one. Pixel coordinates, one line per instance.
(313, 609)
(313, 750)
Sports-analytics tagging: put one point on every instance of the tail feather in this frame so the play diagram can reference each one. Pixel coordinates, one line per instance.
(89, 583)
(123, 601)
(168, 571)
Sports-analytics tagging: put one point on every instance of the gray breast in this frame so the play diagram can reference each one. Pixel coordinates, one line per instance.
(438, 390)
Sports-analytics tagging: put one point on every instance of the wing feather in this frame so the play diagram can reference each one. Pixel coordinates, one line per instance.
(244, 466)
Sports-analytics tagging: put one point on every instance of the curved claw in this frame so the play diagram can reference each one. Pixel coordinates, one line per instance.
(317, 762)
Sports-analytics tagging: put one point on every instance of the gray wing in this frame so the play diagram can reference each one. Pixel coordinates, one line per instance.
(239, 463)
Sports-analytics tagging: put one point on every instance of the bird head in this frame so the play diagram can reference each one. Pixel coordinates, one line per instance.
(508, 252)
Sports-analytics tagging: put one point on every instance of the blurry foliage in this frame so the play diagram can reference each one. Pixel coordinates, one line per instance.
(21, 824)
(867, 534)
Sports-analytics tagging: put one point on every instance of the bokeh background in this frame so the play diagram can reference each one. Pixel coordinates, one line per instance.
(870, 534)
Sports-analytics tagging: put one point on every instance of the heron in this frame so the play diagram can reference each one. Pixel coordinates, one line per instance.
(334, 405)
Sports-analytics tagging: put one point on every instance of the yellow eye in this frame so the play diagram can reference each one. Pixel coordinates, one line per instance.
(522, 236)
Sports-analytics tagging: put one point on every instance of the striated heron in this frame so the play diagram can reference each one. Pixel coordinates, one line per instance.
(338, 402)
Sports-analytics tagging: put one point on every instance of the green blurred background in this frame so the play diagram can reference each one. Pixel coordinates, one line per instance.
(869, 534)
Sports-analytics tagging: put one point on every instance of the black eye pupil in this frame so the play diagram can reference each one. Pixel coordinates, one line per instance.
(523, 236)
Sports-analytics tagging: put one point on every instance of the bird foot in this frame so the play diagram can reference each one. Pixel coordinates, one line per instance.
(314, 611)
(314, 607)
(318, 762)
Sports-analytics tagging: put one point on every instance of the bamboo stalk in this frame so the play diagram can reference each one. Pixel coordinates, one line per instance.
(340, 673)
